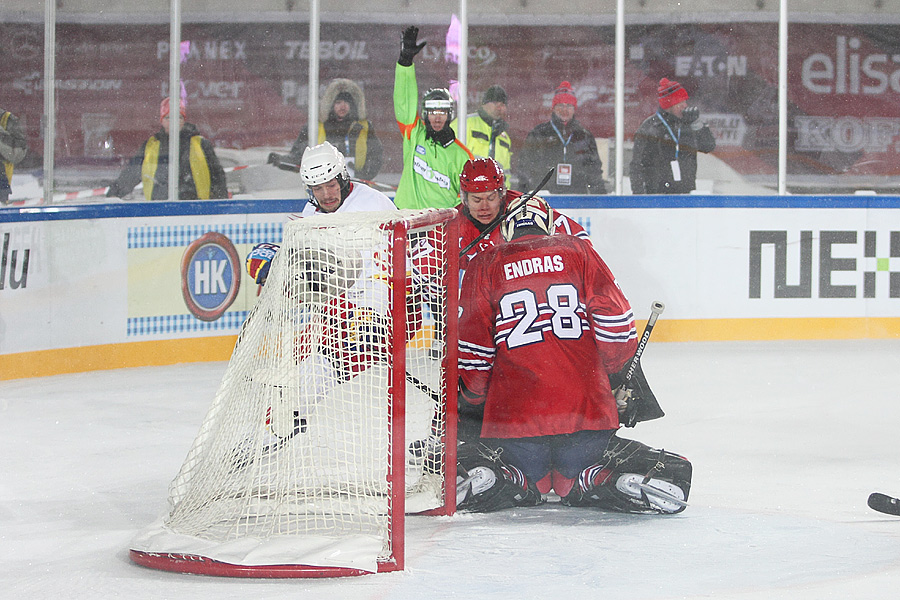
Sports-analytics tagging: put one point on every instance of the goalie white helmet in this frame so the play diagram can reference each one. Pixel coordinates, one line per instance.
(534, 217)
(321, 164)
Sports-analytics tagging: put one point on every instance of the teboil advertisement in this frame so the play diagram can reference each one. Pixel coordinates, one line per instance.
(246, 84)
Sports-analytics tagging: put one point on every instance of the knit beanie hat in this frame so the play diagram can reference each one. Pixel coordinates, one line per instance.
(565, 95)
(346, 97)
(495, 93)
(670, 93)
(164, 109)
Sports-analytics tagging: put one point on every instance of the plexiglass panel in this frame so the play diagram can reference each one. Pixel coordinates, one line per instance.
(725, 59)
(844, 93)
(245, 75)
(21, 70)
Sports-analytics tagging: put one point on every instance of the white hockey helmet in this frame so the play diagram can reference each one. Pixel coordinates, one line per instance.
(534, 217)
(321, 164)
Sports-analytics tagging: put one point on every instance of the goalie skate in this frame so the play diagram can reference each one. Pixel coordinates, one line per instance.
(661, 496)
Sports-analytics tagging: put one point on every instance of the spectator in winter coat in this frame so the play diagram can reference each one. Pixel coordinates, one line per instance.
(200, 175)
(565, 145)
(664, 160)
(343, 122)
(12, 150)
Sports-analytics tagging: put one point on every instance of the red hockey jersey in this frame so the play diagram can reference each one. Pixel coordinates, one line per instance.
(543, 322)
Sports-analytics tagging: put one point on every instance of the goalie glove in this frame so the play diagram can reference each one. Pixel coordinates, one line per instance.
(259, 260)
(634, 398)
(627, 397)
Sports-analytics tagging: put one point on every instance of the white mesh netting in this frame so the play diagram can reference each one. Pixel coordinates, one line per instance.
(293, 462)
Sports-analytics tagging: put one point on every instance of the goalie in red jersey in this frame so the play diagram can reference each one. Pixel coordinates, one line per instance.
(543, 324)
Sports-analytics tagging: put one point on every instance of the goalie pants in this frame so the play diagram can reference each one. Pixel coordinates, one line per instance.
(554, 461)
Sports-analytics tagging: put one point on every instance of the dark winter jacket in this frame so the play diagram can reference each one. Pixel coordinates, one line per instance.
(201, 176)
(354, 135)
(655, 148)
(552, 143)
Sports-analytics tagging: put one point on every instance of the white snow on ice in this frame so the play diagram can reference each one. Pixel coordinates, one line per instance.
(787, 440)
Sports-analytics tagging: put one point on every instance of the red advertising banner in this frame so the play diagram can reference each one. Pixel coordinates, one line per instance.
(246, 84)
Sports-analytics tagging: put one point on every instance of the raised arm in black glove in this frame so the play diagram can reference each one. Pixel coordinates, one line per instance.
(408, 47)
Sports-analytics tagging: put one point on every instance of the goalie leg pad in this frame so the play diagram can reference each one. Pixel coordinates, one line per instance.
(634, 478)
(487, 484)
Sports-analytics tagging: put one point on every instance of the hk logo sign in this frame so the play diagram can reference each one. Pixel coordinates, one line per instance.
(827, 254)
(210, 276)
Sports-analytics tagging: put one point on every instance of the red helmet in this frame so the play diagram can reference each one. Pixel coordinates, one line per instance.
(481, 175)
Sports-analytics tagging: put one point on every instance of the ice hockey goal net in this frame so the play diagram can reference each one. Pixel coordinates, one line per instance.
(336, 413)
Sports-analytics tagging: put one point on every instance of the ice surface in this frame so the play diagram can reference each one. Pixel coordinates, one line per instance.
(787, 440)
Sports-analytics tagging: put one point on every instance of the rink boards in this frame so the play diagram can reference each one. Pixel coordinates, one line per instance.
(133, 284)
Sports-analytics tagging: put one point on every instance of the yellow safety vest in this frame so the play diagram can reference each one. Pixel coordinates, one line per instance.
(362, 141)
(478, 140)
(7, 166)
(199, 167)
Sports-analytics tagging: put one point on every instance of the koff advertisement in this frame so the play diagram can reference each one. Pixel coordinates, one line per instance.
(246, 84)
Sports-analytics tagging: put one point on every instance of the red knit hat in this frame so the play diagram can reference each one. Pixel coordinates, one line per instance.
(565, 95)
(670, 93)
(164, 109)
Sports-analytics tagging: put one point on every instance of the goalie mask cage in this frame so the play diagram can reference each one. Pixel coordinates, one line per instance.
(336, 414)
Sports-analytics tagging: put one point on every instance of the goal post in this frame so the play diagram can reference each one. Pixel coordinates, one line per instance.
(336, 415)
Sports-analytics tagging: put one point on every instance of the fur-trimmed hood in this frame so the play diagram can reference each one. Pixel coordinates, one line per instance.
(331, 92)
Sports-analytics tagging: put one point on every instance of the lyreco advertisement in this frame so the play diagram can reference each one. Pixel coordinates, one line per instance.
(743, 268)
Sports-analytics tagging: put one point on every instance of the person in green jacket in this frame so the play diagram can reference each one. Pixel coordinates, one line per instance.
(432, 156)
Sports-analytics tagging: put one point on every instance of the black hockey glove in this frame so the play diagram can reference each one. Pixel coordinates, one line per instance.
(282, 162)
(691, 116)
(408, 47)
(626, 399)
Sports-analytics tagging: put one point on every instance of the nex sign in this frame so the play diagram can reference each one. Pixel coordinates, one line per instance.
(828, 264)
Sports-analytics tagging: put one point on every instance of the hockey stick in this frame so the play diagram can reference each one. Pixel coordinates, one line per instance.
(884, 504)
(422, 387)
(510, 210)
(636, 409)
(419, 448)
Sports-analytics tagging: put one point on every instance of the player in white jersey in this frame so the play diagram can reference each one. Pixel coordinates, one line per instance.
(342, 305)
(327, 180)
(330, 190)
